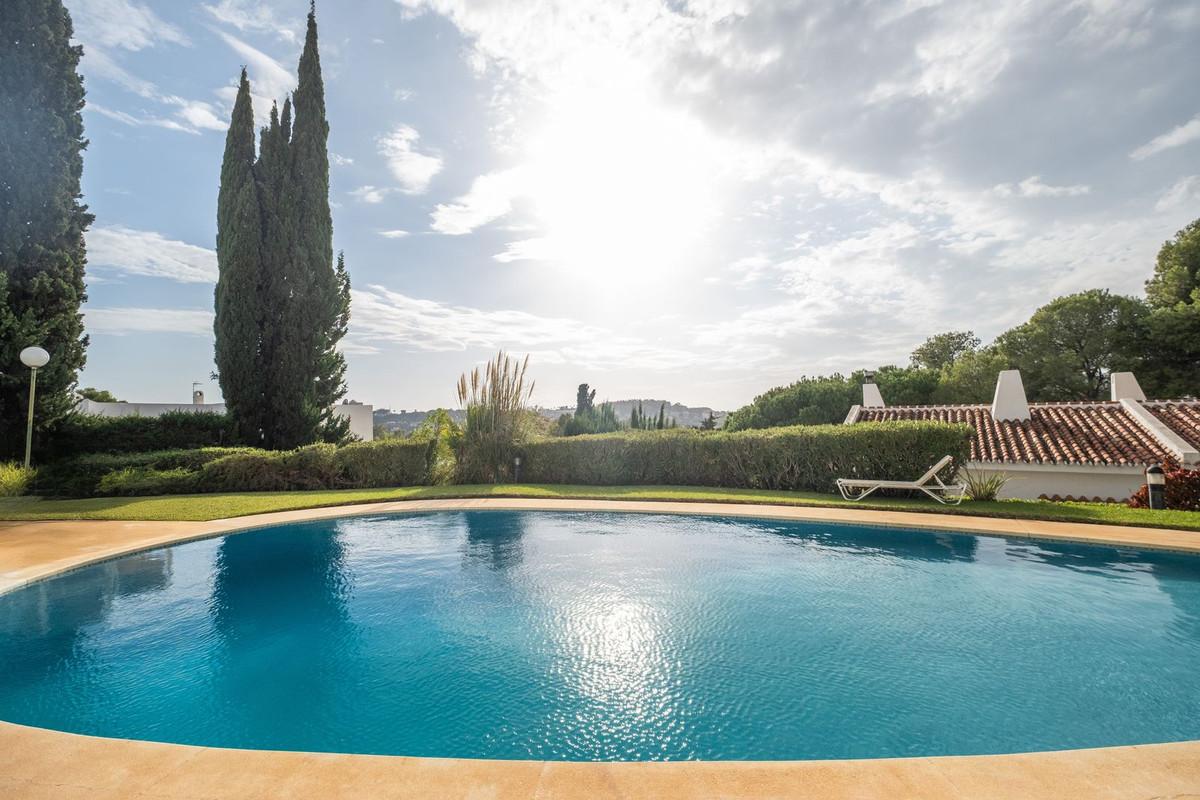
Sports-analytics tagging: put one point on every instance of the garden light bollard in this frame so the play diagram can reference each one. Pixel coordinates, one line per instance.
(516, 469)
(34, 358)
(1156, 483)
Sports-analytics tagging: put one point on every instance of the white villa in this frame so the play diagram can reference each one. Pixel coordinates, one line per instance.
(361, 416)
(1087, 450)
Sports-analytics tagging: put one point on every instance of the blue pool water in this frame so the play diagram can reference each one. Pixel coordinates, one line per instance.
(612, 637)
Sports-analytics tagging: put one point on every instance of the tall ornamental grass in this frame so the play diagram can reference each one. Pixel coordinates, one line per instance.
(496, 401)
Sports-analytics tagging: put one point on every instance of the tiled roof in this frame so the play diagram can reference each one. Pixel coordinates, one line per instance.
(1059, 433)
(1181, 416)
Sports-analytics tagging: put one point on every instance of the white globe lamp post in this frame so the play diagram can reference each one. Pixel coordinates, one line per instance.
(35, 358)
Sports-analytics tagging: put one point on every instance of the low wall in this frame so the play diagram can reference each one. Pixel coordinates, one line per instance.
(1064, 481)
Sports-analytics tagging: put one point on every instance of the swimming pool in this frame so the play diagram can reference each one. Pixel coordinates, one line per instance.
(607, 636)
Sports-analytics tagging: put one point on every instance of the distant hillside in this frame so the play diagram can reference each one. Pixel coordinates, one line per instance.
(405, 421)
(685, 416)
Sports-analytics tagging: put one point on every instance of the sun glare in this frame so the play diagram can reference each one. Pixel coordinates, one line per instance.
(621, 184)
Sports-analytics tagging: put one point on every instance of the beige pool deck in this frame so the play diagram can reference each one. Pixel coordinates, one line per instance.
(38, 763)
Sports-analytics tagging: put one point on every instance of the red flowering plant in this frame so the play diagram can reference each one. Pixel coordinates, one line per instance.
(1181, 493)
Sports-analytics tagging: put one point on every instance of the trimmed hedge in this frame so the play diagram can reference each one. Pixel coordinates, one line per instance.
(81, 476)
(214, 469)
(800, 458)
(175, 430)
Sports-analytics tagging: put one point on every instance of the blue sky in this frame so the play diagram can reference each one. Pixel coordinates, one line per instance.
(687, 200)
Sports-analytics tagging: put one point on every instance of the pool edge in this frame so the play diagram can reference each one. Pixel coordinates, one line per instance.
(37, 762)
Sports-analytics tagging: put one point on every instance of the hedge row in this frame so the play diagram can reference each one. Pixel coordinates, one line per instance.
(176, 430)
(214, 469)
(800, 458)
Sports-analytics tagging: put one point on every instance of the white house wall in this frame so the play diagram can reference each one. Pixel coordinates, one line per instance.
(362, 421)
(1065, 481)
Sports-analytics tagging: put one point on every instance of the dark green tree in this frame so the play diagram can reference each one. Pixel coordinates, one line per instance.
(942, 350)
(1176, 277)
(42, 222)
(1069, 346)
(709, 423)
(1172, 367)
(98, 395)
(282, 305)
(584, 400)
(320, 308)
(239, 294)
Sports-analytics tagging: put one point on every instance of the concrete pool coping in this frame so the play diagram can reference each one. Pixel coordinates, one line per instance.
(42, 763)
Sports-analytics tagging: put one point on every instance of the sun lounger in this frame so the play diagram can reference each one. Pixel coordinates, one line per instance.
(929, 483)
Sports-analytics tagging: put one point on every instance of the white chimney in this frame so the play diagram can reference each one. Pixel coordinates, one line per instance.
(1125, 387)
(872, 398)
(1009, 402)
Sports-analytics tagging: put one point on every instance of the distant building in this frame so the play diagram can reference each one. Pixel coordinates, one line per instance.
(360, 415)
(1087, 450)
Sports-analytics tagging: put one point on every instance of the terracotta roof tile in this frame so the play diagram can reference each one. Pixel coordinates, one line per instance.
(1058, 433)
(1181, 416)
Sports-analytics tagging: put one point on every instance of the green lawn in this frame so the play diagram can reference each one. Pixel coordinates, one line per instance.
(215, 506)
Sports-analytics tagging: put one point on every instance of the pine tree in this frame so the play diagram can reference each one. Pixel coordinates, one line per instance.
(662, 418)
(42, 222)
(238, 297)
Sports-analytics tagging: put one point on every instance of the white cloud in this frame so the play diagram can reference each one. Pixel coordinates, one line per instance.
(126, 118)
(199, 115)
(1185, 191)
(248, 17)
(97, 63)
(370, 194)
(268, 78)
(396, 234)
(381, 315)
(124, 321)
(537, 249)
(1033, 186)
(132, 252)
(122, 23)
(489, 198)
(1176, 137)
(412, 169)
(340, 161)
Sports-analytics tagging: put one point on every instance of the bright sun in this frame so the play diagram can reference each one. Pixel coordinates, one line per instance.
(621, 184)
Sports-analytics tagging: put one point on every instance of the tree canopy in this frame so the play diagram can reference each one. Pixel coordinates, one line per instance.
(282, 305)
(42, 221)
(1066, 351)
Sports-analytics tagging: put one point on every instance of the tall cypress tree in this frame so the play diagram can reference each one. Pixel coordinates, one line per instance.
(238, 297)
(302, 301)
(318, 287)
(42, 222)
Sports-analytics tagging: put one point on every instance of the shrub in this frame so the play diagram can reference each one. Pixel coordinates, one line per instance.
(387, 462)
(251, 471)
(807, 458)
(81, 476)
(142, 481)
(175, 430)
(1181, 492)
(15, 479)
(983, 485)
(227, 469)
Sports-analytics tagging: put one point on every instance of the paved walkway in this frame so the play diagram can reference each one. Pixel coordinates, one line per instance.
(36, 763)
